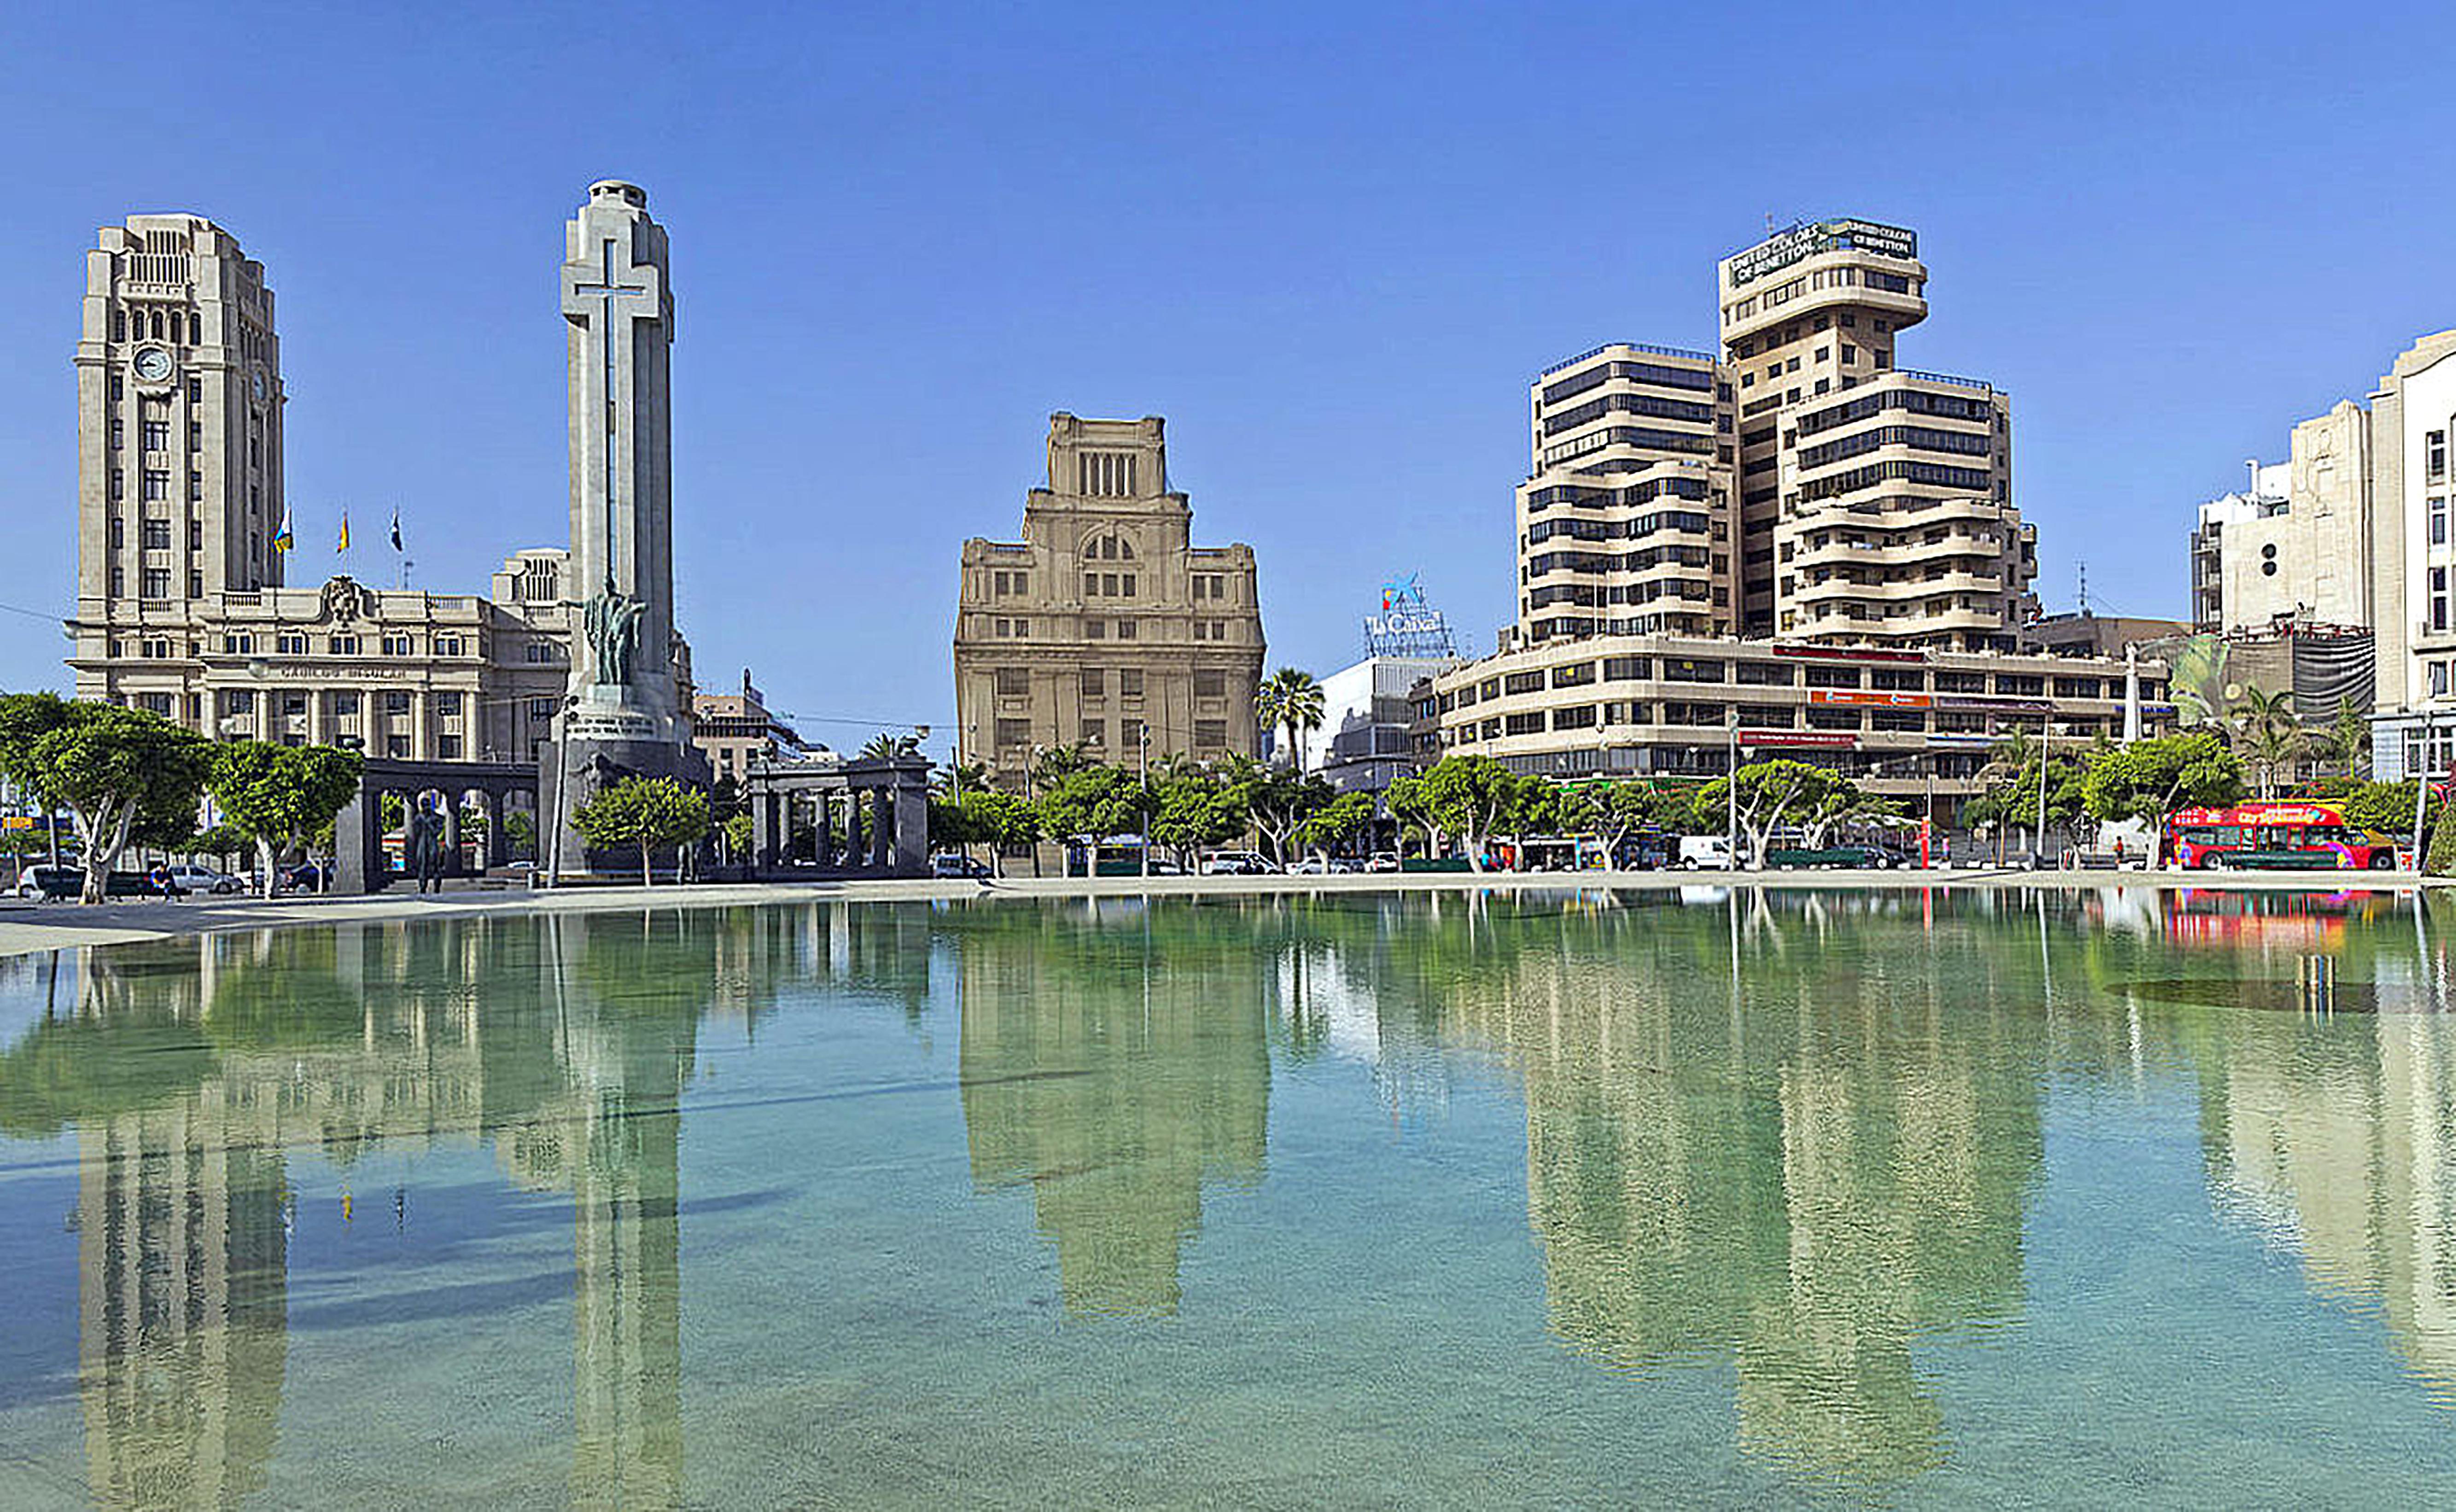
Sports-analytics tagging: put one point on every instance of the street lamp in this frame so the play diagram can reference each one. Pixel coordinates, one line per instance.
(1731, 791)
(1142, 743)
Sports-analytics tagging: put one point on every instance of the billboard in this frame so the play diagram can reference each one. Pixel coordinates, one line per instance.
(1408, 625)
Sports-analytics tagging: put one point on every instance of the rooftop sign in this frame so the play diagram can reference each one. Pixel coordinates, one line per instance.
(1808, 237)
(1408, 625)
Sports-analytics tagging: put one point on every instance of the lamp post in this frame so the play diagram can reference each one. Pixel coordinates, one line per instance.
(1731, 790)
(1142, 761)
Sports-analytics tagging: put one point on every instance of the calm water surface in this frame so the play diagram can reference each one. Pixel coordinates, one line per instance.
(1581, 1199)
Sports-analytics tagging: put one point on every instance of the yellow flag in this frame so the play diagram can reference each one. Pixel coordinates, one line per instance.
(346, 532)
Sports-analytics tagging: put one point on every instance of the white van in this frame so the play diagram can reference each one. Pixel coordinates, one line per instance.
(1705, 853)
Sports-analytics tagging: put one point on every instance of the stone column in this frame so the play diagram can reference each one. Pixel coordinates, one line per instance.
(498, 844)
(911, 833)
(452, 834)
(882, 827)
(763, 830)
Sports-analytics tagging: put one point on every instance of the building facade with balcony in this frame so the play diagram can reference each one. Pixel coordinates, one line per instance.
(1105, 621)
(1797, 484)
(1906, 721)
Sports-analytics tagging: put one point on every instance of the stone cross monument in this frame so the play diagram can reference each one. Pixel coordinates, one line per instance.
(620, 715)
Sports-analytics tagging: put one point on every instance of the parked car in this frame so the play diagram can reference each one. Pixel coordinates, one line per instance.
(948, 863)
(308, 877)
(1382, 861)
(1310, 867)
(50, 882)
(1237, 864)
(204, 879)
(1705, 853)
(1344, 867)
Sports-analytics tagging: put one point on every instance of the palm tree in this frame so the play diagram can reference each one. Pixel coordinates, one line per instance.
(2269, 732)
(1290, 699)
(884, 747)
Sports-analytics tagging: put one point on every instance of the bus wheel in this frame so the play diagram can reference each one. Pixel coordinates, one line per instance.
(2381, 861)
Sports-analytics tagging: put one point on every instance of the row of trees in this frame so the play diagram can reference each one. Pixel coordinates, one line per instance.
(1184, 806)
(128, 777)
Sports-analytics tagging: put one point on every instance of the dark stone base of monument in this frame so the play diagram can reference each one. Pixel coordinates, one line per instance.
(572, 771)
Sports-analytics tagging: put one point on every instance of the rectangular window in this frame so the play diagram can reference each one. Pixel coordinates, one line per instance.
(293, 704)
(1095, 683)
(399, 645)
(1095, 732)
(118, 482)
(239, 701)
(447, 747)
(2438, 678)
(345, 645)
(1898, 680)
(396, 702)
(1832, 677)
(1210, 735)
(1023, 627)
(156, 534)
(158, 484)
(288, 645)
(2438, 597)
(1686, 669)
(1125, 629)
(1013, 734)
(1210, 684)
(1626, 668)
(396, 746)
(538, 707)
(2438, 512)
(155, 704)
(347, 704)
(448, 704)
(1130, 682)
(1013, 681)
(2434, 455)
(155, 584)
(157, 436)
(447, 646)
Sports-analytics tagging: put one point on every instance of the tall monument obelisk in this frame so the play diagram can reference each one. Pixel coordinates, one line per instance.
(620, 715)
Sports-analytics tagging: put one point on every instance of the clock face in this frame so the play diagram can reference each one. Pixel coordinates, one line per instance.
(153, 364)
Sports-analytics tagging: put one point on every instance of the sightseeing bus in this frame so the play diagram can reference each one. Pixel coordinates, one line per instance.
(2275, 834)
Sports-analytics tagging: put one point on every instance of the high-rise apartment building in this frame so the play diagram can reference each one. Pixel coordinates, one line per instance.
(1105, 621)
(1801, 485)
(2295, 546)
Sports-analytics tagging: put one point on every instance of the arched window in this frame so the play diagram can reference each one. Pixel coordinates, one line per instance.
(1108, 547)
(119, 325)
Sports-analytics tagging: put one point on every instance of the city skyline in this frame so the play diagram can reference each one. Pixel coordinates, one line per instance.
(1256, 291)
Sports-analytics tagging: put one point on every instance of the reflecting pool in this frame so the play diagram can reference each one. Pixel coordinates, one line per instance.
(1581, 1198)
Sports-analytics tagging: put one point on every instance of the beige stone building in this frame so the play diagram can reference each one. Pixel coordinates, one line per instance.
(733, 731)
(183, 605)
(1802, 485)
(1105, 620)
(2295, 546)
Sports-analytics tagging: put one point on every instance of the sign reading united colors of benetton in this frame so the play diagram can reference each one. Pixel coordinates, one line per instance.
(1784, 248)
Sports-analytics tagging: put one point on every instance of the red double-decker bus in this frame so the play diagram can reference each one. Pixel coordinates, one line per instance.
(2275, 835)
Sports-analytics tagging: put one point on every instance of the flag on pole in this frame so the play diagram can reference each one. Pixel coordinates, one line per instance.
(396, 527)
(282, 540)
(345, 544)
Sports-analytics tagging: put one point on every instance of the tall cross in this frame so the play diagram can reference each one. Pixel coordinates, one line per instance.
(605, 293)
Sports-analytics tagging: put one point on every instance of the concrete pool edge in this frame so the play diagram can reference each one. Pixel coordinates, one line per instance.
(32, 928)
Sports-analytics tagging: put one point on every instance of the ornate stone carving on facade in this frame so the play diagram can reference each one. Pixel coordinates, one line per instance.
(344, 601)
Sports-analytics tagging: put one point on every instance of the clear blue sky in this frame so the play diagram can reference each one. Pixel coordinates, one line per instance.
(1329, 242)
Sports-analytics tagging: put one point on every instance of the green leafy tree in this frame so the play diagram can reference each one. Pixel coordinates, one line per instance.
(1191, 811)
(647, 813)
(1002, 819)
(2346, 741)
(1337, 824)
(884, 747)
(121, 773)
(1469, 797)
(2387, 807)
(2149, 779)
(280, 796)
(1408, 803)
(520, 830)
(1090, 802)
(2439, 859)
(1278, 799)
(1290, 700)
(737, 834)
(2269, 734)
(1772, 794)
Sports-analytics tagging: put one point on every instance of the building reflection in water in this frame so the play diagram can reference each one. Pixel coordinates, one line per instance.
(194, 1074)
(1794, 1131)
(1116, 1079)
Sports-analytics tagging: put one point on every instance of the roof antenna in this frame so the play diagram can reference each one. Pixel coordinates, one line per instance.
(2084, 590)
